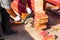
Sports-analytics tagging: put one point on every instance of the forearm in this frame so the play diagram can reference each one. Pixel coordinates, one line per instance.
(11, 12)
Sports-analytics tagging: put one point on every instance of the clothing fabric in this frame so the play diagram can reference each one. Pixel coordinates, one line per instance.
(6, 4)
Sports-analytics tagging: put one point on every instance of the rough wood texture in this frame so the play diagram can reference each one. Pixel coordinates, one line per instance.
(40, 18)
(37, 5)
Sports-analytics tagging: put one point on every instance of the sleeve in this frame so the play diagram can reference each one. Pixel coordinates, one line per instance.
(6, 4)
